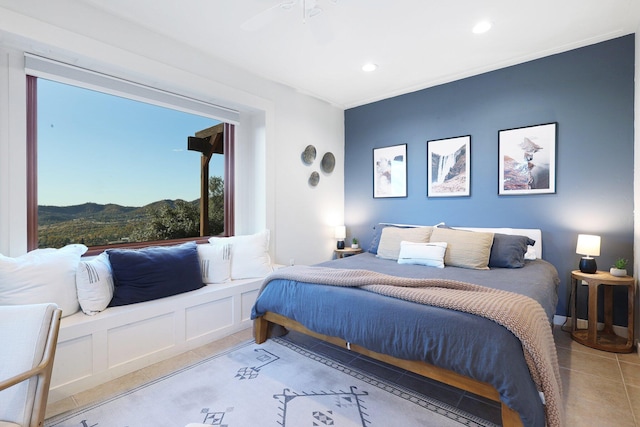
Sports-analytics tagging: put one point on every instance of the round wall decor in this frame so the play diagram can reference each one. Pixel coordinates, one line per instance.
(328, 162)
(308, 155)
(314, 179)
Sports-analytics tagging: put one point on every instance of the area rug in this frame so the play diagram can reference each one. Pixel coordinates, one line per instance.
(273, 384)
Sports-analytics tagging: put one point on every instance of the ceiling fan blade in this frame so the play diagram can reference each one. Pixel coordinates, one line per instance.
(267, 16)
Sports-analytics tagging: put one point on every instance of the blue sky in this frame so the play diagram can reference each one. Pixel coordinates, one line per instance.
(101, 148)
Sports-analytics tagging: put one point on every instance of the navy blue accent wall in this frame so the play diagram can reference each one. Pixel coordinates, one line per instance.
(589, 92)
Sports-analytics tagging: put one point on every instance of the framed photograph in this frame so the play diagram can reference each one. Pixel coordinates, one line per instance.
(527, 160)
(448, 167)
(390, 171)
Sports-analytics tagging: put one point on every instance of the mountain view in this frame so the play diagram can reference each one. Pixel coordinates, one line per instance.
(94, 224)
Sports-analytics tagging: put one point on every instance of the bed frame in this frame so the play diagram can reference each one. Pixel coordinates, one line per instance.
(510, 418)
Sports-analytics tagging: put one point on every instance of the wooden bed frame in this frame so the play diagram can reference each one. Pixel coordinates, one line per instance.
(510, 418)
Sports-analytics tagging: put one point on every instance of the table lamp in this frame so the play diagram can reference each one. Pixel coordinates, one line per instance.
(341, 234)
(589, 246)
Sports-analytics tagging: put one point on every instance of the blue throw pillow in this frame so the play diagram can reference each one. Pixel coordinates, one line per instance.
(508, 250)
(156, 272)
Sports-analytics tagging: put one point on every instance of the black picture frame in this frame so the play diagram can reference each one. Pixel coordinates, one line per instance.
(390, 171)
(449, 167)
(527, 160)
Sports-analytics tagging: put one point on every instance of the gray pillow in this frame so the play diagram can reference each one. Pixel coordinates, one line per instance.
(508, 250)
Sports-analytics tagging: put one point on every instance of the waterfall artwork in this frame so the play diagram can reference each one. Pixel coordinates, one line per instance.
(448, 167)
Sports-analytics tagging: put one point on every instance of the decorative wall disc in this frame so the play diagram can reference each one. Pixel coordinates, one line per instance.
(308, 155)
(314, 179)
(328, 162)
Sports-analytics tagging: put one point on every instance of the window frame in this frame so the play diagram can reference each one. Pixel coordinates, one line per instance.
(37, 67)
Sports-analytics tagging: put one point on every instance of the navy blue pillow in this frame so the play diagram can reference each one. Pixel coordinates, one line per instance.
(508, 250)
(151, 273)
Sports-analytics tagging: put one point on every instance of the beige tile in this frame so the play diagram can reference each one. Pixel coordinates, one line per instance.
(584, 413)
(629, 357)
(593, 364)
(563, 340)
(579, 388)
(634, 398)
(218, 346)
(60, 407)
(244, 335)
(111, 388)
(170, 365)
(630, 373)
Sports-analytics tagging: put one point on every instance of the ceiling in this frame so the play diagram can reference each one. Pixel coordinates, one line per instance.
(415, 43)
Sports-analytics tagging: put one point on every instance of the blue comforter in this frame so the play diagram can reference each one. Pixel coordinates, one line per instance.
(464, 343)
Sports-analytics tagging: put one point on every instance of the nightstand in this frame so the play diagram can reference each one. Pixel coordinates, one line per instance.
(341, 253)
(606, 339)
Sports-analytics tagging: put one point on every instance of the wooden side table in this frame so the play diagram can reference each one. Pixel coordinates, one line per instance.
(606, 339)
(341, 253)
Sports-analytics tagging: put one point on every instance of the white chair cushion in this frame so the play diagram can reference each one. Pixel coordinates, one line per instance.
(23, 331)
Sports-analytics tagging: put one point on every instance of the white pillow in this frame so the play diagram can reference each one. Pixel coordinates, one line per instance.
(94, 280)
(42, 276)
(215, 262)
(430, 254)
(249, 254)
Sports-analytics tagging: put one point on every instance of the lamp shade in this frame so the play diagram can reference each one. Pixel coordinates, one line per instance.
(341, 234)
(588, 245)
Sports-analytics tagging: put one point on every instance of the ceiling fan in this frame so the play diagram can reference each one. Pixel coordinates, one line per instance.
(310, 13)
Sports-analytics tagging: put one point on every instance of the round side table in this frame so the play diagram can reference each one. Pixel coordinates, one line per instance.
(606, 339)
(341, 253)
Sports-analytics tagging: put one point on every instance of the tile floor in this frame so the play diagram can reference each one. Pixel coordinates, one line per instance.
(600, 389)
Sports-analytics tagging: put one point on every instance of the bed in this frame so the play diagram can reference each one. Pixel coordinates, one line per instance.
(459, 348)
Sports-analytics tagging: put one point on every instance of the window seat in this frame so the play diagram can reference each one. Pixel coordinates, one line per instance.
(119, 340)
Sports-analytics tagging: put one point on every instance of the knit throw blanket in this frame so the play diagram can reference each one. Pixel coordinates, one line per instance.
(521, 315)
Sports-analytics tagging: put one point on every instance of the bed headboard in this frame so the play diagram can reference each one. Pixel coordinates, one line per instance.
(533, 233)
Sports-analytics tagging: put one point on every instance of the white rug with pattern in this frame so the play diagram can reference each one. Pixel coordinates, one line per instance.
(274, 384)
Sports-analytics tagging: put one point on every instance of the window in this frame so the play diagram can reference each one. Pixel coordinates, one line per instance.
(110, 169)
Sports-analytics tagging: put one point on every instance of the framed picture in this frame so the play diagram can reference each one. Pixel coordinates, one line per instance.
(527, 160)
(448, 167)
(390, 171)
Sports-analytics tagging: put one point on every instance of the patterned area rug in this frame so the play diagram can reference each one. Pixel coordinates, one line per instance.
(274, 384)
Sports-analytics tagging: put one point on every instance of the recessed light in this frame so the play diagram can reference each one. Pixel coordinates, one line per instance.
(369, 67)
(481, 27)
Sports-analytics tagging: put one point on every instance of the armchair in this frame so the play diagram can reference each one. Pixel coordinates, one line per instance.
(28, 338)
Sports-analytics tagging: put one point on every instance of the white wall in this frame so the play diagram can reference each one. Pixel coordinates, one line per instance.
(276, 124)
